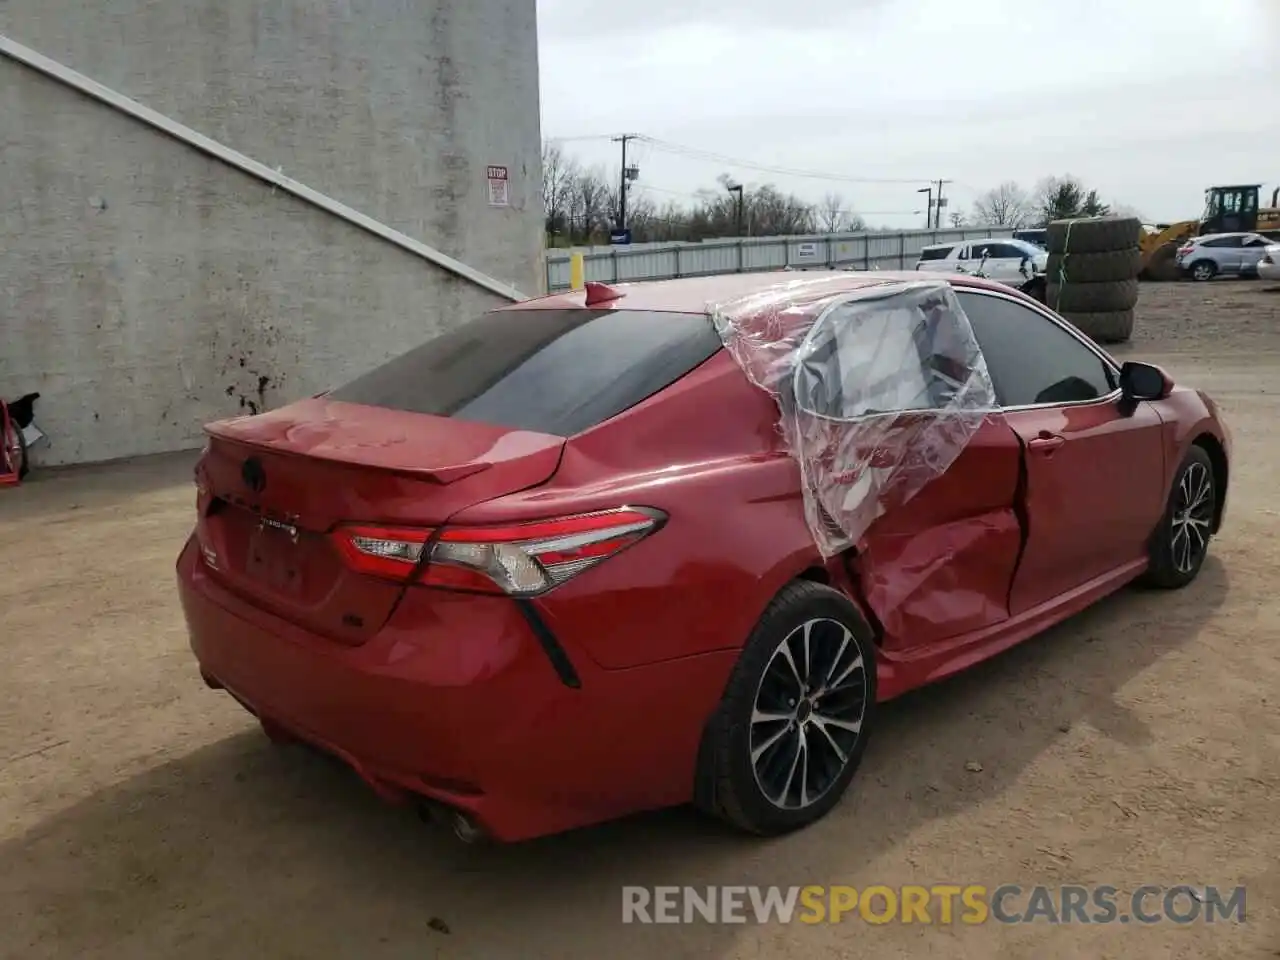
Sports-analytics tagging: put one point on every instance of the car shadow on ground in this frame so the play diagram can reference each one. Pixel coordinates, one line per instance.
(245, 848)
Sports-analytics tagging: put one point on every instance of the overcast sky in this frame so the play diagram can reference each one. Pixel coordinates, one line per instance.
(1149, 101)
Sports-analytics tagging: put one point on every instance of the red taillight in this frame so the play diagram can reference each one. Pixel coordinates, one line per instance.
(521, 560)
(392, 553)
(203, 500)
(1183, 251)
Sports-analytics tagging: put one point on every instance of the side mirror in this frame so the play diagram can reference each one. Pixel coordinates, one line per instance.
(1144, 381)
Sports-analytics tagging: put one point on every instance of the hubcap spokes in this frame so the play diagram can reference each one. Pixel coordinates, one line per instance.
(808, 713)
(1192, 517)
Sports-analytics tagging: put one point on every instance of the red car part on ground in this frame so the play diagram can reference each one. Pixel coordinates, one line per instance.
(554, 567)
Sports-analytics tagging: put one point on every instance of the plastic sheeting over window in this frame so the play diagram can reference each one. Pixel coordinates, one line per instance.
(880, 388)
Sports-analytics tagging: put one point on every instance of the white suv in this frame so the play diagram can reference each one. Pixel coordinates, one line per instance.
(1015, 262)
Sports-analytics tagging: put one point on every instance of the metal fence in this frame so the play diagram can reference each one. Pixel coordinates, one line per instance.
(665, 261)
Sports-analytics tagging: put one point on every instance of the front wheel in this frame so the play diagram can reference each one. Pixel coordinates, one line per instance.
(1181, 544)
(1203, 270)
(792, 726)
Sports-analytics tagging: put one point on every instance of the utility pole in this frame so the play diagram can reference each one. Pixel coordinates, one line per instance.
(928, 210)
(736, 188)
(627, 174)
(938, 205)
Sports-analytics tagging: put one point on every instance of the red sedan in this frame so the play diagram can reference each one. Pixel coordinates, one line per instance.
(564, 562)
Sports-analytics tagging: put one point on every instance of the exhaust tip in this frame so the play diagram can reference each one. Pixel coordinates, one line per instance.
(435, 814)
(466, 829)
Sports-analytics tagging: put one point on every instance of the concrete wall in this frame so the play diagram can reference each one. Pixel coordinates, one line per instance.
(146, 288)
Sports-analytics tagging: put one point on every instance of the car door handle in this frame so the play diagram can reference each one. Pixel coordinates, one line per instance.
(1046, 443)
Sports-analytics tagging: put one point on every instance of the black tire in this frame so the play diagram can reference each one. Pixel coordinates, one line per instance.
(728, 785)
(1094, 267)
(1176, 558)
(1113, 326)
(1094, 234)
(1093, 297)
(1035, 289)
(1202, 271)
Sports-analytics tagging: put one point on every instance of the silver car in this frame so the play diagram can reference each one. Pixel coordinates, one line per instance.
(1269, 265)
(1222, 255)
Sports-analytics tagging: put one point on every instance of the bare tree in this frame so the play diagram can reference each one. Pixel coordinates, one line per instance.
(595, 204)
(1004, 206)
(835, 216)
(958, 219)
(560, 173)
(582, 205)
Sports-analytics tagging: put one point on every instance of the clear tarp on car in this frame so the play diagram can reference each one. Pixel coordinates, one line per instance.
(880, 388)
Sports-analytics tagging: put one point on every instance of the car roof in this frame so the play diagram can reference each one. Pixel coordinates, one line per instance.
(1219, 236)
(693, 294)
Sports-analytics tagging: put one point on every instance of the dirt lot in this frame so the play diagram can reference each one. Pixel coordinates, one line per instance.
(142, 815)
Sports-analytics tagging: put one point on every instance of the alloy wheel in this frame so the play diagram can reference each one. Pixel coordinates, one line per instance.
(1192, 517)
(808, 712)
(1202, 271)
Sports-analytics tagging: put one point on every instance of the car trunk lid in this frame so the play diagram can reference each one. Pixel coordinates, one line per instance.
(274, 487)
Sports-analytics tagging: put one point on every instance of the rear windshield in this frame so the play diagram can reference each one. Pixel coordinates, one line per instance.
(550, 371)
(935, 253)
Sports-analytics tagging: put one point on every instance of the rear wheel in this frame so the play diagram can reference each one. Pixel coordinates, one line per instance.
(794, 720)
(1181, 543)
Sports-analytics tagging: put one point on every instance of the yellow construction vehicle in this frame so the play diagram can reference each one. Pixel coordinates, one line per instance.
(1233, 209)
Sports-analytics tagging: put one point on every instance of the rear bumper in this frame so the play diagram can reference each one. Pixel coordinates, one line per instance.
(455, 700)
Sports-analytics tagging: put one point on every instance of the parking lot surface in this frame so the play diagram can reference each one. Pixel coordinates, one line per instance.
(142, 815)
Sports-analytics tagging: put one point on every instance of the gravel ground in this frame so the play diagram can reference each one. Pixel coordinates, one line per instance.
(142, 815)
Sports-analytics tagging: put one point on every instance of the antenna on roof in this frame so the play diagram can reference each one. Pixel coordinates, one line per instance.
(598, 293)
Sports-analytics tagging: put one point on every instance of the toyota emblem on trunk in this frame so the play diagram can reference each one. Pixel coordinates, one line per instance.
(254, 475)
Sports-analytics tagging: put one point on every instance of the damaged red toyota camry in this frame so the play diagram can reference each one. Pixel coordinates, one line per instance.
(573, 559)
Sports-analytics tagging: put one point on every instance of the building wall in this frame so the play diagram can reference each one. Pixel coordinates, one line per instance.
(146, 288)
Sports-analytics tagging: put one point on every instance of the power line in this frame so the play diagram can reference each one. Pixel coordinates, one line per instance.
(700, 154)
(590, 136)
(708, 193)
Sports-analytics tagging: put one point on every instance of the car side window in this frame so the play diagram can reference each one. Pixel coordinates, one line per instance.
(1031, 359)
(1257, 242)
(1006, 251)
(935, 253)
(1224, 242)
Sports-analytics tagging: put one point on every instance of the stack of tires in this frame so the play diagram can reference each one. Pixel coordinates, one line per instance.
(1093, 274)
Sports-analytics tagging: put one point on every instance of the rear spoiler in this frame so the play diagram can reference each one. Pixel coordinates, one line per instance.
(442, 475)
